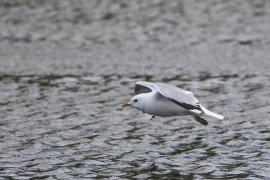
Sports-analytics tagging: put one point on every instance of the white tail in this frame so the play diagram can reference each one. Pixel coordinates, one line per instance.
(212, 114)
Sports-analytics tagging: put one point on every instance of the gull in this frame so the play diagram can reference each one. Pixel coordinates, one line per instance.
(160, 99)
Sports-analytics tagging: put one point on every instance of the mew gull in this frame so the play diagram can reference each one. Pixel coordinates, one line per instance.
(159, 99)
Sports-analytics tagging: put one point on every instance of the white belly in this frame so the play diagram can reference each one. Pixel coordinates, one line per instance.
(164, 107)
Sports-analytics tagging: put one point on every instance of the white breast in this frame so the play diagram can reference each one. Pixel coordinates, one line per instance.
(158, 105)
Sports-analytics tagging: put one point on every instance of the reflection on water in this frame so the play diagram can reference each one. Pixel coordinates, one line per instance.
(65, 126)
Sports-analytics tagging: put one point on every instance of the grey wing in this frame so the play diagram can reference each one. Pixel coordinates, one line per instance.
(179, 96)
(144, 87)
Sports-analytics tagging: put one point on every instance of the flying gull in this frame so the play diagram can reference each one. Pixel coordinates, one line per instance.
(159, 99)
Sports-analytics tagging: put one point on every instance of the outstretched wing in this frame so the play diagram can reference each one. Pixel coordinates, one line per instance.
(144, 87)
(180, 97)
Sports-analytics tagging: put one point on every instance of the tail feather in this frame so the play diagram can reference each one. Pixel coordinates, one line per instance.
(211, 114)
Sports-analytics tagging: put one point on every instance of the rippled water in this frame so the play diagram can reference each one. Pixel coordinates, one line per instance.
(73, 126)
(66, 66)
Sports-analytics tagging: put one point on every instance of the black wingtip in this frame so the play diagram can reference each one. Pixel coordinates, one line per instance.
(187, 106)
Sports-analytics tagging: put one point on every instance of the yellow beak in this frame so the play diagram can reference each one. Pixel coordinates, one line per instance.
(125, 105)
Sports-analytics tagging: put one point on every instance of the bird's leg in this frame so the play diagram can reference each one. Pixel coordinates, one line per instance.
(201, 120)
(150, 117)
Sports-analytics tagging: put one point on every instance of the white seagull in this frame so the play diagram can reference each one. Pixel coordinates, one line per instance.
(159, 99)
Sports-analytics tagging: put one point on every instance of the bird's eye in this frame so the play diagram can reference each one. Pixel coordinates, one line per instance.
(135, 100)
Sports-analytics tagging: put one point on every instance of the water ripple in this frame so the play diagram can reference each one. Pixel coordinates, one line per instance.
(72, 126)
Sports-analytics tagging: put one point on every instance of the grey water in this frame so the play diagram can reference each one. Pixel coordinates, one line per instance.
(66, 67)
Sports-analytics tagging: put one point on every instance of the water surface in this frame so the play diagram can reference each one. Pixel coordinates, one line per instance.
(66, 67)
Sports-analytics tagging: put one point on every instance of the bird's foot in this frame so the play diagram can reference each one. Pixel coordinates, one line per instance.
(150, 117)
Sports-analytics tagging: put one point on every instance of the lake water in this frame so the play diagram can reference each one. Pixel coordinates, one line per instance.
(62, 83)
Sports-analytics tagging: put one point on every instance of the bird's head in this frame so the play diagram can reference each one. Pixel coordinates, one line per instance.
(136, 102)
